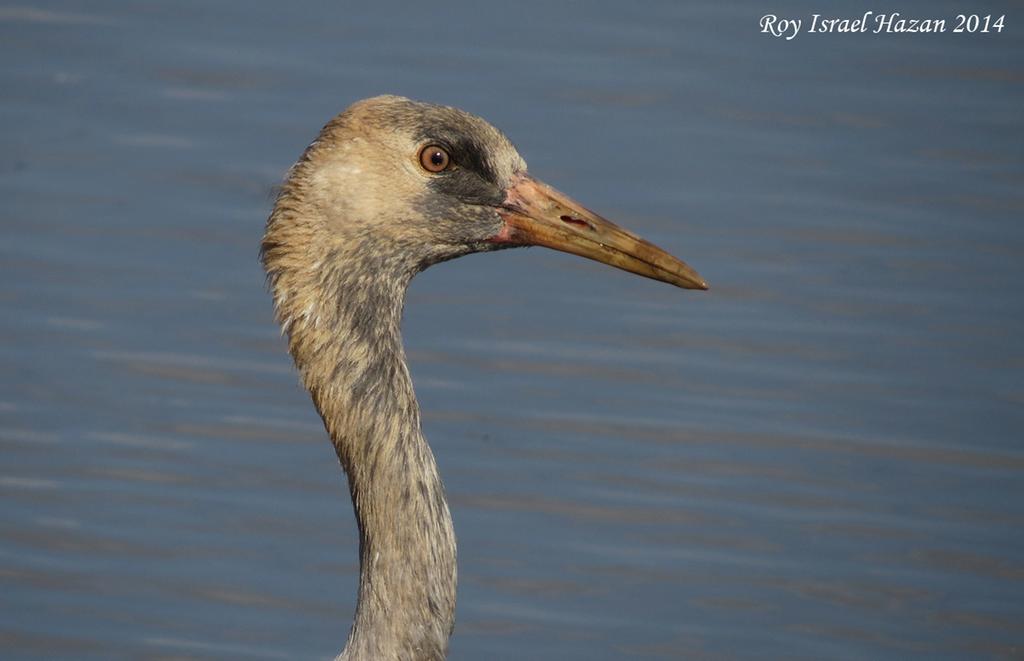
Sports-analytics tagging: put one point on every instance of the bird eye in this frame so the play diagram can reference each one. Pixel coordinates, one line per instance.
(434, 158)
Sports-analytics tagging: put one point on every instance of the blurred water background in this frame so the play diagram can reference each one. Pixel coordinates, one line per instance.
(820, 458)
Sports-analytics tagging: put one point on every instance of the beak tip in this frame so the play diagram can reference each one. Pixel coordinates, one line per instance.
(688, 279)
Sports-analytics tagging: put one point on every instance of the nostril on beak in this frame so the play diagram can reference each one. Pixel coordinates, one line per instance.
(572, 220)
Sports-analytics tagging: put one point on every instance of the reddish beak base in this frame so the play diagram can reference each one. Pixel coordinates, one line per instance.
(537, 215)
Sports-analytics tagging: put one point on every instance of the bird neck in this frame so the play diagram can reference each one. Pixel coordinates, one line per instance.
(344, 334)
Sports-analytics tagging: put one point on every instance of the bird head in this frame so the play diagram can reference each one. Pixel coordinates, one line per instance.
(433, 182)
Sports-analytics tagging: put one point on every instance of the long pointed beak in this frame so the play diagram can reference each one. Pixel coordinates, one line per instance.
(536, 214)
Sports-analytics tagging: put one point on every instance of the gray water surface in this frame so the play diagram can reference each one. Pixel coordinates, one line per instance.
(822, 457)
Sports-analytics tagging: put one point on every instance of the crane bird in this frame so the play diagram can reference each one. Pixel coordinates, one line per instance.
(388, 188)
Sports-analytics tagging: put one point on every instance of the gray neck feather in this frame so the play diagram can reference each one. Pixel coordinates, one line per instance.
(343, 319)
